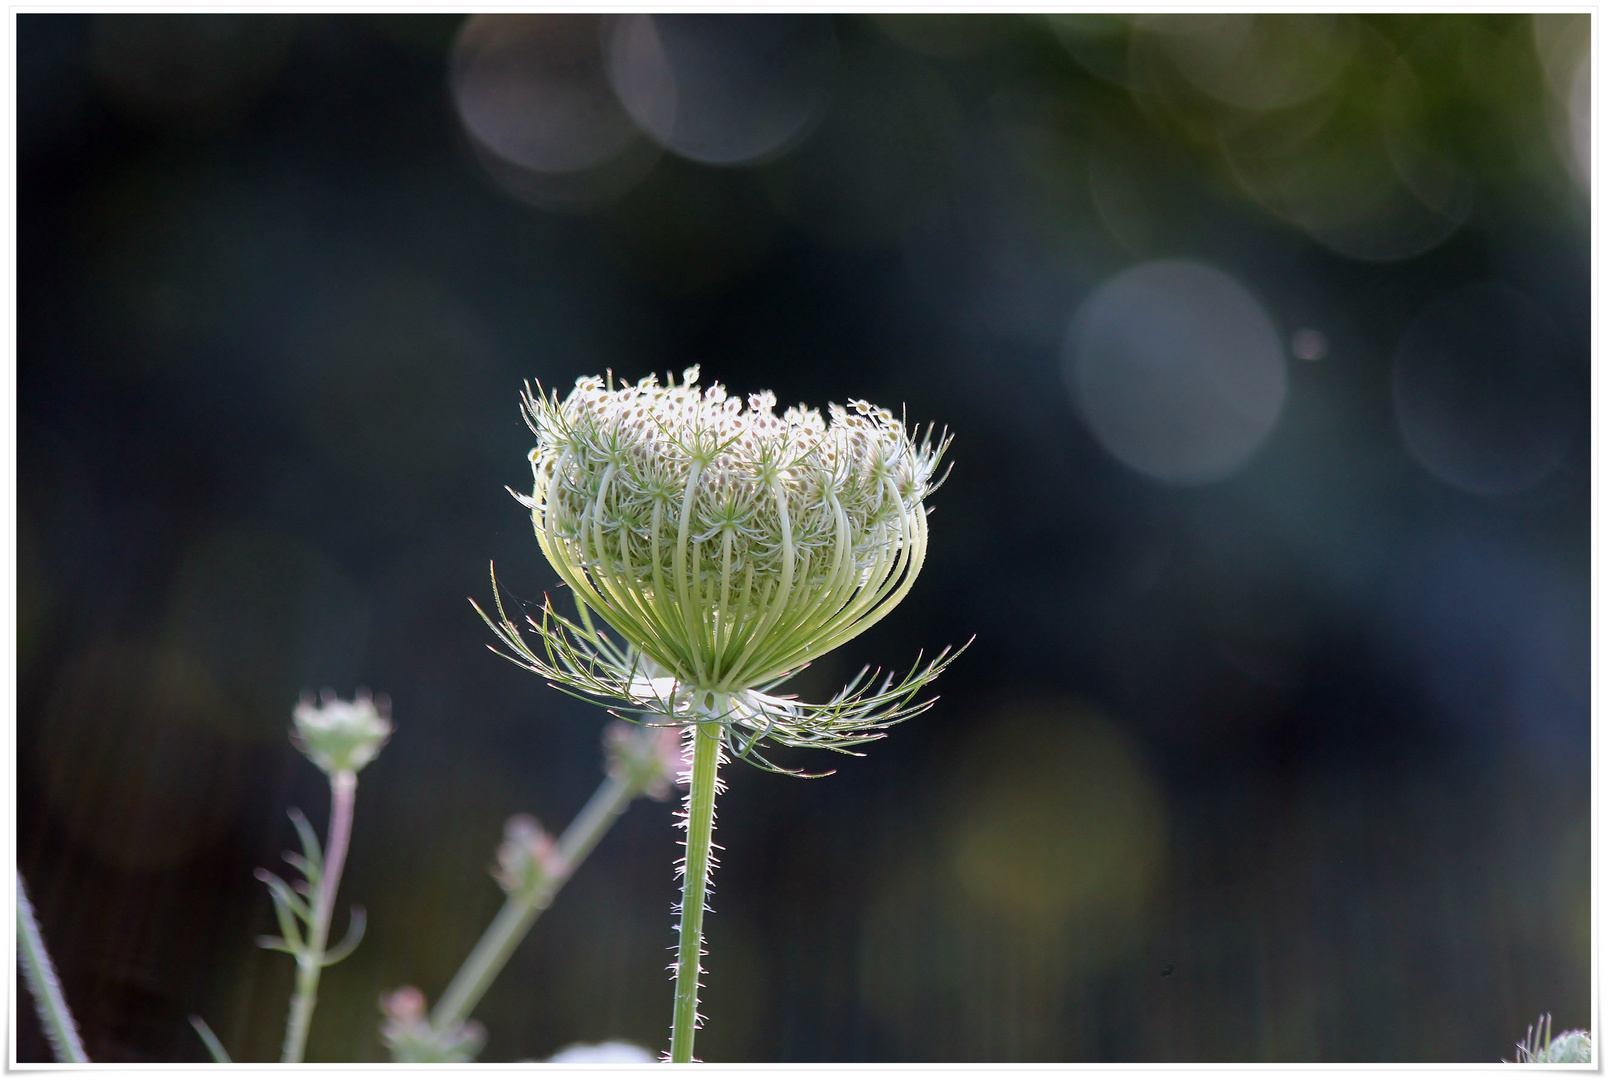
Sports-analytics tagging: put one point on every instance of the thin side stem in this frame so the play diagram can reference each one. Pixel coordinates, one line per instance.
(213, 1044)
(40, 973)
(310, 963)
(519, 913)
(695, 887)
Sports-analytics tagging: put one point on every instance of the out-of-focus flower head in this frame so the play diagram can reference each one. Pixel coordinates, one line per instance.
(407, 1033)
(341, 736)
(649, 758)
(613, 1052)
(528, 858)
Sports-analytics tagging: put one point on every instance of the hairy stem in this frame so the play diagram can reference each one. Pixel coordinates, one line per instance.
(40, 973)
(518, 913)
(695, 887)
(310, 962)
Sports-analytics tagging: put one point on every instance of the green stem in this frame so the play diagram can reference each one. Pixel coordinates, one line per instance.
(518, 913)
(214, 1047)
(310, 962)
(40, 973)
(695, 887)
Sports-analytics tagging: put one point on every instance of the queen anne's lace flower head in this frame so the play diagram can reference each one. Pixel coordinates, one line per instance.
(727, 546)
(341, 736)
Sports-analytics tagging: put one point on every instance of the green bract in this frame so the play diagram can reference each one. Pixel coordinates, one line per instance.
(727, 547)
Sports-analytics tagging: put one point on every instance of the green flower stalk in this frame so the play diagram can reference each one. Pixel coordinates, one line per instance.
(340, 737)
(726, 548)
(531, 867)
(40, 974)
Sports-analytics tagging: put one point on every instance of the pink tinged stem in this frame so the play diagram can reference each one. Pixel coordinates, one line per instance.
(310, 963)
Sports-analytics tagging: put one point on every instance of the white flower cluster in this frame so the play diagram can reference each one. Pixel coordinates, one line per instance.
(341, 736)
(729, 545)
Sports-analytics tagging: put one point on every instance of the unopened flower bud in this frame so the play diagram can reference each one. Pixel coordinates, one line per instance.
(404, 1005)
(407, 1033)
(648, 758)
(528, 858)
(341, 736)
(723, 549)
(731, 546)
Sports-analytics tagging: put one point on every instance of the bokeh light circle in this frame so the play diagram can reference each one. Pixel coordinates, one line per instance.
(1563, 50)
(1483, 396)
(723, 89)
(1365, 167)
(1177, 370)
(1256, 62)
(1098, 42)
(1562, 42)
(1499, 633)
(1309, 344)
(1042, 876)
(532, 89)
(1580, 121)
(1064, 818)
(1419, 149)
(533, 98)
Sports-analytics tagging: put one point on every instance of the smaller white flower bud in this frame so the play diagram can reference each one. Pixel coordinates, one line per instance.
(649, 758)
(528, 858)
(341, 736)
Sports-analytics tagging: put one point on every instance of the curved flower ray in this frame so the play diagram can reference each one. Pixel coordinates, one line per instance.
(578, 660)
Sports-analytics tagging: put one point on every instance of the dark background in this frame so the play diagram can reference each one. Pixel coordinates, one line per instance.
(1285, 762)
